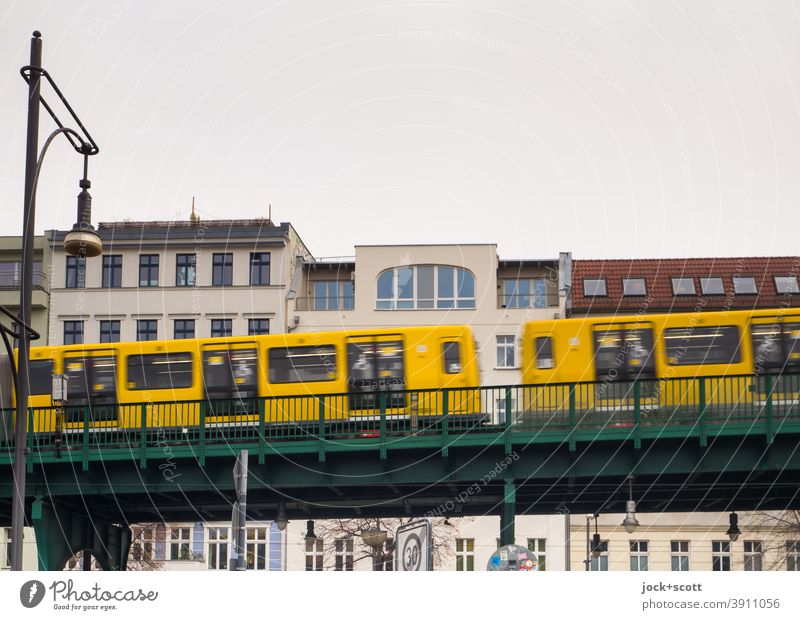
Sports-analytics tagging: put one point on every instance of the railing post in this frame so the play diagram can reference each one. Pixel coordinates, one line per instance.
(701, 401)
(29, 440)
(383, 425)
(262, 405)
(509, 420)
(321, 429)
(143, 436)
(572, 429)
(201, 448)
(637, 403)
(768, 421)
(85, 438)
(445, 422)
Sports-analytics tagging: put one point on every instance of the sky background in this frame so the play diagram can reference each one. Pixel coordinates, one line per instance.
(608, 129)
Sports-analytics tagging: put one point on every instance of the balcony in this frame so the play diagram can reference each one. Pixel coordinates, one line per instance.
(11, 275)
(334, 303)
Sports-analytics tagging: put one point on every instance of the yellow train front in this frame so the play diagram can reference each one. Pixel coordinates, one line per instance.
(729, 361)
(297, 378)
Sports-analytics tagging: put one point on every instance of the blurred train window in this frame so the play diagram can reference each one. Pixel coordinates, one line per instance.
(688, 346)
(594, 287)
(544, 352)
(683, 286)
(744, 285)
(786, 285)
(160, 371)
(775, 346)
(302, 364)
(632, 287)
(451, 352)
(40, 377)
(712, 286)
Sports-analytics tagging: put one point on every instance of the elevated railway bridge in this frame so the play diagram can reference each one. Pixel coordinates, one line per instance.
(704, 444)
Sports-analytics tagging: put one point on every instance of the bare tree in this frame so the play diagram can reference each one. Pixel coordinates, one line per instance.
(777, 530)
(142, 551)
(333, 530)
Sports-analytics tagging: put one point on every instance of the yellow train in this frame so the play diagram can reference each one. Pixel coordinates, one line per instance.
(614, 351)
(231, 375)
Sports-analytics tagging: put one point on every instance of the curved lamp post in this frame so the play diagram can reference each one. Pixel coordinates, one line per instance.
(82, 241)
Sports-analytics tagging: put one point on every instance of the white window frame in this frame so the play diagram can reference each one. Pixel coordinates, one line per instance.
(639, 551)
(257, 547)
(538, 549)
(508, 342)
(793, 555)
(143, 542)
(465, 554)
(343, 554)
(600, 564)
(753, 555)
(721, 549)
(7, 548)
(438, 302)
(180, 541)
(679, 553)
(221, 536)
(512, 299)
(314, 549)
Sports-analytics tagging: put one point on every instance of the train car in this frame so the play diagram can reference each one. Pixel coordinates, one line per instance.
(622, 360)
(165, 383)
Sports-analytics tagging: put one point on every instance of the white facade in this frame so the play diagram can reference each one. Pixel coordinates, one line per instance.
(29, 561)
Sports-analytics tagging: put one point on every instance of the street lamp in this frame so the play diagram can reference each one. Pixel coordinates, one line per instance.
(630, 523)
(280, 519)
(374, 539)
(733, 531)
(310, 535)
(593, 544)
(81, 241)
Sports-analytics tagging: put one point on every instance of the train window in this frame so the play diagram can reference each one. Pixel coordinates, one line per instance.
(40, 377)
(302, 364)
(621, 353)
(775, 346)
(160, 371)
(688, 346)
(544, 352)
(683, 286)
(451, 352)
(230, 369)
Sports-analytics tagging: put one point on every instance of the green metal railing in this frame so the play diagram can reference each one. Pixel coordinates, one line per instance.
(325, 423)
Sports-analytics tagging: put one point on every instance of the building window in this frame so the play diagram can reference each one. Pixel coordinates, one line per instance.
(537, 548)
(257, 327)
(221, 328)
(683, 286)
(76, 272)
(721, 555)
(505, 351)
(109, 331)
(343, 557)
(314, 555)
(222, 270)
(7, 559)
(256, 548)
(148, 270)
(744, 285)
(525, 293)
(218, 542)
(712, 286)
(180, 543)
(425, 287)
(183, 329)
(185, 269)
(633, 287)
(334, 295)
(594, 287)
(600, 563)
(680, 555)
(638, 555)
(793, 555)
(146, 329)
(73, 332)
(752, 555)
(786, 285)
(465, 554)
(142, 544)
(259, 268)
(112, 271)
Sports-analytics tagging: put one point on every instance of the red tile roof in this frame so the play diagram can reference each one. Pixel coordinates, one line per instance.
(658, 274)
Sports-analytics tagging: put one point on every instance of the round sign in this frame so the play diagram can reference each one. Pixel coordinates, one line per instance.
(412, 553)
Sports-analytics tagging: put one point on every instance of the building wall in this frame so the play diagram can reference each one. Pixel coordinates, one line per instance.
(29, 559)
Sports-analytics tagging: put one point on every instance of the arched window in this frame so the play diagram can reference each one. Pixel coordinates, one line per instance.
(425, 287)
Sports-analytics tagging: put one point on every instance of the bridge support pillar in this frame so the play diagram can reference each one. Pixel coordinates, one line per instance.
(62, 533)
(507, 514)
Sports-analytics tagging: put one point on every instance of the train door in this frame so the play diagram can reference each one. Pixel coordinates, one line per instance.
(623, 353)
(376, 364)
(454, 375)
(776, 354)
(230, 378)
(92, 383)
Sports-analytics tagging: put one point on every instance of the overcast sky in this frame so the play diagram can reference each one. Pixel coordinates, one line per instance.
(608, 129)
